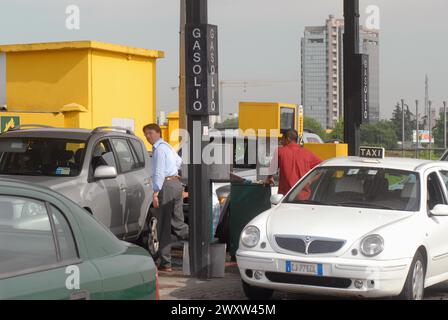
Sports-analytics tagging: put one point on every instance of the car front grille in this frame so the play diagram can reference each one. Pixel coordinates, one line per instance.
(327, 282)
(315, 245)
(291, 244)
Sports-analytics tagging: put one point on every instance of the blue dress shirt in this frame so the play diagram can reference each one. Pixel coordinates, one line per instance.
(165, 163)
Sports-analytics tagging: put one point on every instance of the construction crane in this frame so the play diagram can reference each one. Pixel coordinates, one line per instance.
(252, 83)
(244, 84)
(247, 83)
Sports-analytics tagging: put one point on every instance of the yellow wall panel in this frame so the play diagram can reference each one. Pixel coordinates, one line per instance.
(49, 119)
(262, 116)
(122, 88)
(89, 83)
(328, 150)
(45, 81)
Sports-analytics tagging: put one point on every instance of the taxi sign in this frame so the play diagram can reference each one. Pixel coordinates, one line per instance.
(371, 152)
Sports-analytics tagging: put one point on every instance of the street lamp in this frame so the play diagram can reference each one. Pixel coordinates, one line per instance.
(430, 129)
(444, 123)
(402, 125)
(417, 134)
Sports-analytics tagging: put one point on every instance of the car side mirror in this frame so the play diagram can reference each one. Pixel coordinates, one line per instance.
(440, 210)
(276, 199)
(105, 172)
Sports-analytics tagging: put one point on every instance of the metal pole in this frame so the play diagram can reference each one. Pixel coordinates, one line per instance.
(198, 176)
(352, 118)
(426, 93)
(182, 112)
(402, 128)
(417, 130)
(430, 128)
(444, 123)
(221, 96)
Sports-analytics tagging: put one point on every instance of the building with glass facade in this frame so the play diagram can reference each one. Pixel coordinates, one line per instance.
(322, 71)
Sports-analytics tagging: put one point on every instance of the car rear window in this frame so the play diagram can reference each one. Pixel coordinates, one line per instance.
(66, 241)
(26, 237)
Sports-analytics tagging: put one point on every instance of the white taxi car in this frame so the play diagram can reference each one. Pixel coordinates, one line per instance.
(352, 227)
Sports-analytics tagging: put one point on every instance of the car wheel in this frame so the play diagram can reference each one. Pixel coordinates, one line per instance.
(415, 282)
(153, 239)
(256, 293)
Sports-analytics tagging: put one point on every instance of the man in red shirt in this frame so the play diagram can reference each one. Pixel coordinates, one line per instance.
(294, 162)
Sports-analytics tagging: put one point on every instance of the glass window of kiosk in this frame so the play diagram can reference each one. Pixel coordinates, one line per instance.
(287, 119)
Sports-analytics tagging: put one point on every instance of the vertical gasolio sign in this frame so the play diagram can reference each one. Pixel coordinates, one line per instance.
(201, 71)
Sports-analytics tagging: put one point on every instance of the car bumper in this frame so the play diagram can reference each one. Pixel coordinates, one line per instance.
(338, 277)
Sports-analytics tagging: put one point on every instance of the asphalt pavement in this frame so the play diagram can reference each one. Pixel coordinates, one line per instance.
(177, 286)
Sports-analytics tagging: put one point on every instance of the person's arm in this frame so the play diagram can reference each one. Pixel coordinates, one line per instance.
(315, 161)
(178, 160)
(270, 180)
(273, 168)
(159, 163)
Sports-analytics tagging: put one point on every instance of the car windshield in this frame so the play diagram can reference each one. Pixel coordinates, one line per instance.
(375, 188)
(41, 157)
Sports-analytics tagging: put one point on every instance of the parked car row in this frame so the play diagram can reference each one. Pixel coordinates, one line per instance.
(66, 198)
(78, 202)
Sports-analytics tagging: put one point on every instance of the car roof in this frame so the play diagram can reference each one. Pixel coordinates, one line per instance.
(69, 133)
(13, 183)
(406, 164)
(308, 135)
(32, 188)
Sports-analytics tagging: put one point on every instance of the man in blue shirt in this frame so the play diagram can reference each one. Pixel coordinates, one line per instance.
(168, 193)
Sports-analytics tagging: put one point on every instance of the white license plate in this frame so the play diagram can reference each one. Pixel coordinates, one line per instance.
(304, 268)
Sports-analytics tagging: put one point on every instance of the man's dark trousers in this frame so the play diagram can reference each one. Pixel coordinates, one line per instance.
(170, 218)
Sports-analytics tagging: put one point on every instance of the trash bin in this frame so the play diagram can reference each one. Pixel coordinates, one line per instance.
(217, 260)
(246, 202)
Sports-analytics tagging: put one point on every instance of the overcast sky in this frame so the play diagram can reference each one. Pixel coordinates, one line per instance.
(258, 40)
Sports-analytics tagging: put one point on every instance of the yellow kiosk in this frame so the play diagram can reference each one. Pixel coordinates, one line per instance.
(271, 119)
(78, 84)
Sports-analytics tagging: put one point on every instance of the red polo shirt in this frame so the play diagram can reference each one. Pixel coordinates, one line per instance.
(294, 162)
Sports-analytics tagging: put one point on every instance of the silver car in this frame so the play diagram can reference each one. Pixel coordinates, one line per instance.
(107, 171)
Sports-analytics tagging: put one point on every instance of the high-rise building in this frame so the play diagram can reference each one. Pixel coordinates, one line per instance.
(370, 45)
(322, 71)
(161, 119)
(314, 74)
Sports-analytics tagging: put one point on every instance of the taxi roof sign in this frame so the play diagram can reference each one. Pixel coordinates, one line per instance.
(371, 152)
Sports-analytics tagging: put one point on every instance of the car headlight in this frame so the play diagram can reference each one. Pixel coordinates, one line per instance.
(372, 245)
(250, 236)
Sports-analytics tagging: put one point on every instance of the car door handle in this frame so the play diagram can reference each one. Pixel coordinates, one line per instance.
(147, 182)
(80, 295)
(122, 187)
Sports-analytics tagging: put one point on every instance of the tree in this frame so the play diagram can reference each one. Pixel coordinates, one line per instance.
(438, 131)
(424, 122)
(314, 126)
(338, 131)
(409, 123)
(228, 124)
(380, 134)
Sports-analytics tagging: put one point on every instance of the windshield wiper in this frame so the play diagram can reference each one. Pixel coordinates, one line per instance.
(315, 202)
(364, 205)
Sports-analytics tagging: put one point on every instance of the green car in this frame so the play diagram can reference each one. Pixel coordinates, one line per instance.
(50, 248)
